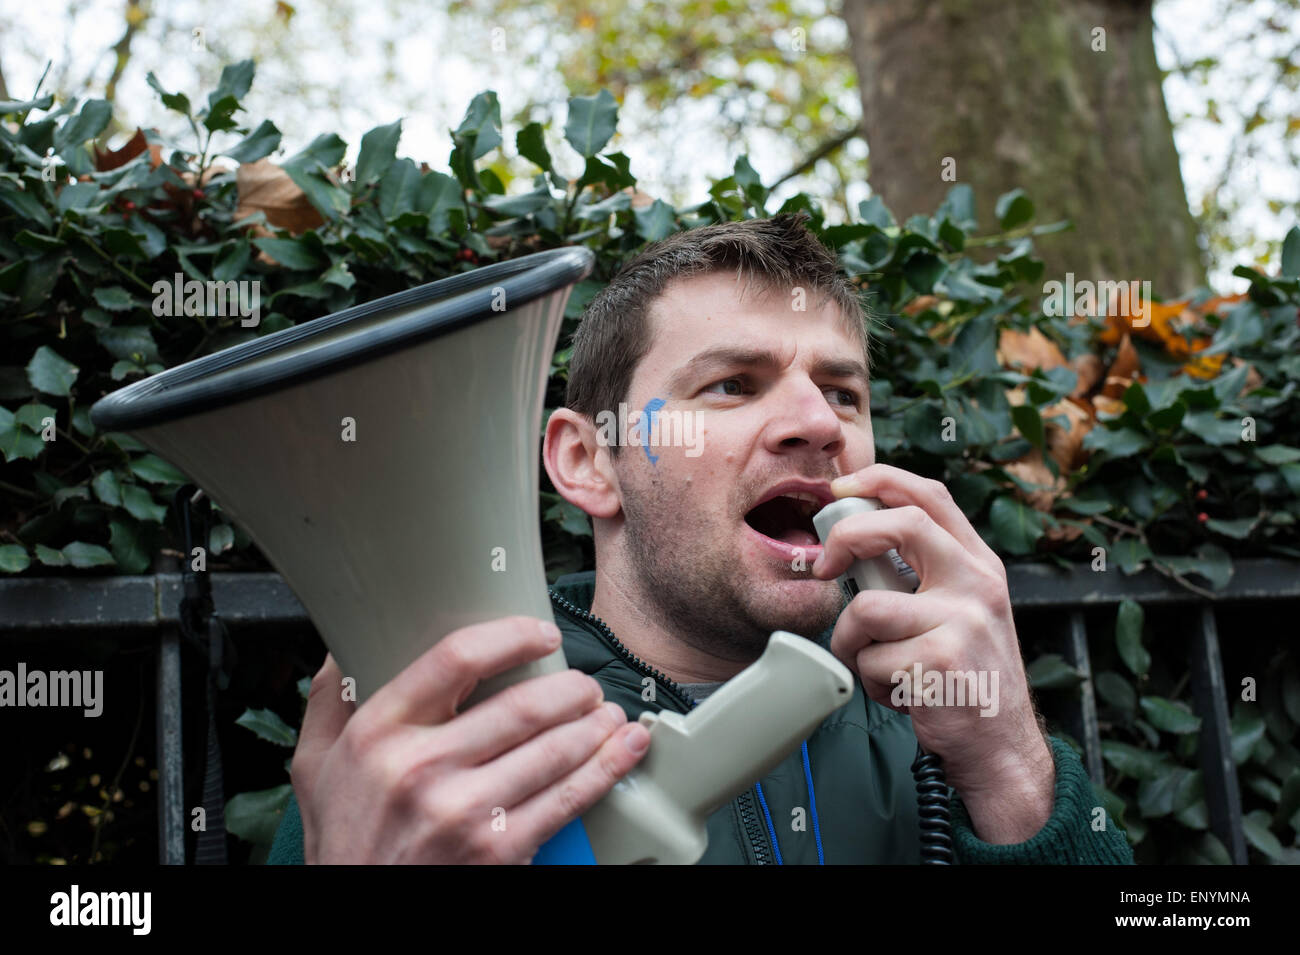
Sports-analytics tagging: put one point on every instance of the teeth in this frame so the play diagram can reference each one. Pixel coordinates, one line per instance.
(808, 502)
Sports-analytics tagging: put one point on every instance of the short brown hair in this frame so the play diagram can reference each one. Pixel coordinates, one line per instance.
(777, 253)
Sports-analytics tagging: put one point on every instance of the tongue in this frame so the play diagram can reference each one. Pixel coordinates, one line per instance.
(797, 536)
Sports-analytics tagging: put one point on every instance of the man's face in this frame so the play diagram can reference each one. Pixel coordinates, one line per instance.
(781, 405)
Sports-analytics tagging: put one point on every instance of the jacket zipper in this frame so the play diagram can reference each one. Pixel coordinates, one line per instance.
(748, 813)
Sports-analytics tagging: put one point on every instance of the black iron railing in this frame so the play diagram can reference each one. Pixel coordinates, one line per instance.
(67, 608)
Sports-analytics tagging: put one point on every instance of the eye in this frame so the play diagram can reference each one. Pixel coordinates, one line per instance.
(732, 387)
(845, 396)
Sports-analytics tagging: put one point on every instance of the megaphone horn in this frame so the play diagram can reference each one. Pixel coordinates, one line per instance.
(383, 456)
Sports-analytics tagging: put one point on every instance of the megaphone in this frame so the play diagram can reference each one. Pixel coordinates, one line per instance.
(384, 459)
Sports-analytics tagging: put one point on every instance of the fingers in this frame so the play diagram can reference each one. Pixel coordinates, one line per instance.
(549, 757)
(882, 615)
(428, 691)
(517, 714)
(882, 693)
(327, 713)
(926, 546)
(895, 487)
(550, 810)
(881, 663)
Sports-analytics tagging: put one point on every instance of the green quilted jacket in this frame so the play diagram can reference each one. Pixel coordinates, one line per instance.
(847, 796)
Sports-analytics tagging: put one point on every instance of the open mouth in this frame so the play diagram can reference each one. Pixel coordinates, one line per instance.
(787, 518)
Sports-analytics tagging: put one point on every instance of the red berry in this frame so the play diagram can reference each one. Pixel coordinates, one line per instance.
(128, 205)
(1202, 494)
(1202, 517)
(198, 193)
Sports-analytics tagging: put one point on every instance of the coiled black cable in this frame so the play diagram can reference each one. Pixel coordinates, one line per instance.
(932, 806)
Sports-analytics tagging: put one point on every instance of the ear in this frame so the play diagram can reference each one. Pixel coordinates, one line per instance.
(579, 465)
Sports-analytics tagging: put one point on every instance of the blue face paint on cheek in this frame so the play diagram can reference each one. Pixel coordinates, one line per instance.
(648, 418)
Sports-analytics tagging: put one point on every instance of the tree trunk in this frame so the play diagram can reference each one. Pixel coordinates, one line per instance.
(1015, 93)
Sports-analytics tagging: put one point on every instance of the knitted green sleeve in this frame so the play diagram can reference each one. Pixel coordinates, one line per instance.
(1068, 838)
(287, 848)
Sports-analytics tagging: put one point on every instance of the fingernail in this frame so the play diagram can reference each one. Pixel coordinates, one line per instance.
(637, 739)
(551, 632)
(843, 485)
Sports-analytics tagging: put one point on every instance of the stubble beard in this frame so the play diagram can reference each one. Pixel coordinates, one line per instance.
(683, 568)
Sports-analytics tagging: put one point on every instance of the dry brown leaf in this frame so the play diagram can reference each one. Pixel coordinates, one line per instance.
(1029, 350)
(639, 199)
(1123, 370)
(919, 304)
(1106, 405)
(1090, 369)
(1033, 470)
(113, 158)
(1253, 378)
(264, 187)
(1064, 533)
(1066, 447)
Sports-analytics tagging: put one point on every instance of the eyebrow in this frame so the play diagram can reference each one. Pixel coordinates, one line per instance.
(728, 356)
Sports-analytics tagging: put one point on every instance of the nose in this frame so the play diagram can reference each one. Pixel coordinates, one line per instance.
(802, 419)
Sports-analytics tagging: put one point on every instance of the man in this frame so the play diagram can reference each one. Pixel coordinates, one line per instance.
(747, 333)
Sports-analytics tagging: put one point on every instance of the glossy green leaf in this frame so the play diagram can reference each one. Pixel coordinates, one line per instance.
(268, 725)
(14, 558)
(1169, 716)
(128, 546)
(80, 554)
(1017, 527)
(1013, 209)
(591, 122)
(1051, 672)
(258, 144)
(139, 503)
(1116, 691)
(530, 141)
(378, 151)
(50, 373)
(1255, 826)
(1128, 637)
(155, 470)
(1131, 761)
(255, 816)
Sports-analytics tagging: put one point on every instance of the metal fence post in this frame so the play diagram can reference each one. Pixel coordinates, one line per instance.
(171, 770)
(1222, 795)
(1085, 723)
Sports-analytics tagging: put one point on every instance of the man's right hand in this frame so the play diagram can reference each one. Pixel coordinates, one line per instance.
(404, 778)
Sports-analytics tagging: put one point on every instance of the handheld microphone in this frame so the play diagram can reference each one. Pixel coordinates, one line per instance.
(885, 572)
(888, 571)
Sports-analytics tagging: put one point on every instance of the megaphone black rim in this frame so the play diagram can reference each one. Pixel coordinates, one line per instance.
(217, 380)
